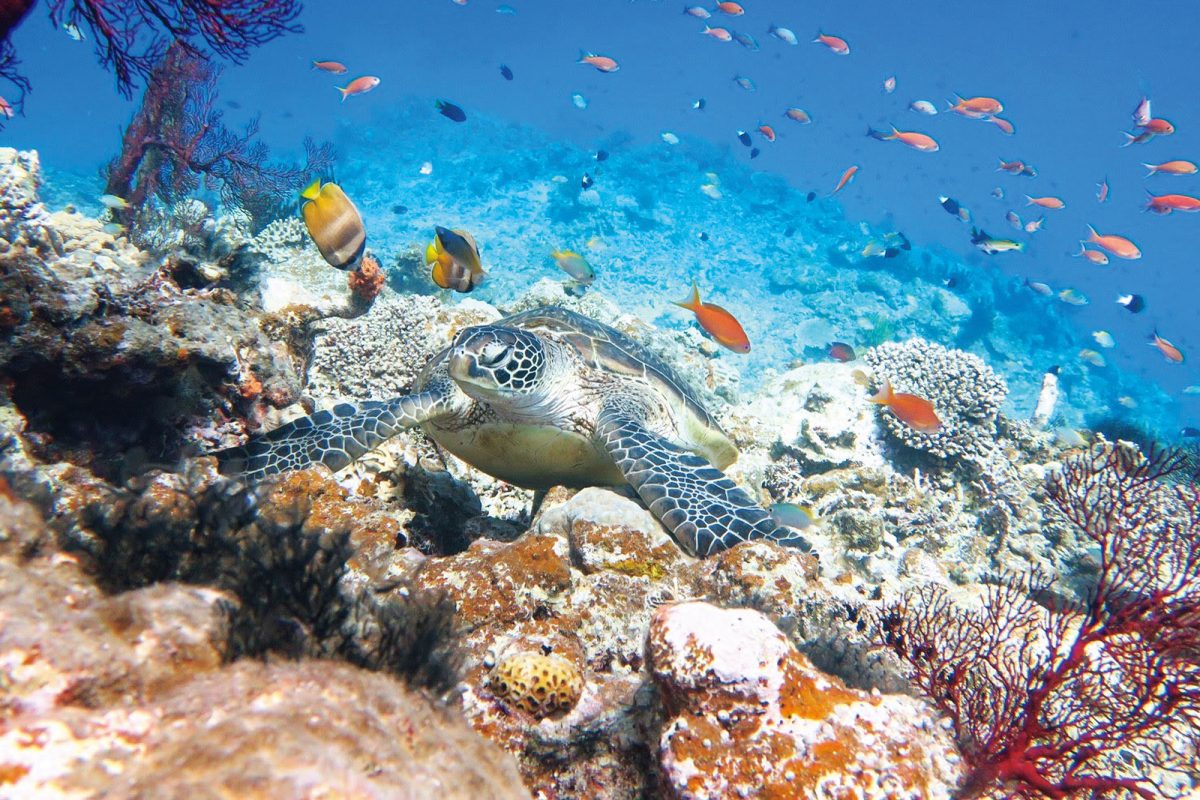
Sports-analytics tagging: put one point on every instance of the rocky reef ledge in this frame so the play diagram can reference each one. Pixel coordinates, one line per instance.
(406, 628)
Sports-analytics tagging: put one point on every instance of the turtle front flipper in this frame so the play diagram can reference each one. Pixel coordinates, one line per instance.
(335, 437)
(705, 511)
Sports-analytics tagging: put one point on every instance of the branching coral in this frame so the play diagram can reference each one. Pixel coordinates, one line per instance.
(177, 140)
(133, 36)
(1089, 700)
(965, 391)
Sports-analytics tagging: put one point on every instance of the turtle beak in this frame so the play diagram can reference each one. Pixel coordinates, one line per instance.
(462, 366)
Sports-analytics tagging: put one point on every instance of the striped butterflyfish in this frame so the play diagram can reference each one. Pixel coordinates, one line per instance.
(334, 224)
(455, 259)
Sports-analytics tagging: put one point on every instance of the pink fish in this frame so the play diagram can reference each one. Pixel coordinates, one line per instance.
(358, 86)
(835, 43)
(1166, 203)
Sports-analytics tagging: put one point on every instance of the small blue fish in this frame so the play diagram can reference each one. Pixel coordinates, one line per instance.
(506, 10)
(745, 83)
(506, 72)
(745, 40)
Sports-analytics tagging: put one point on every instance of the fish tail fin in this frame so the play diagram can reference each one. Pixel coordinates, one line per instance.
(1092, 235)
(885, 395)
(1082, 249)
(692, 303)
(1028, 200)
(1153, 169)
(312, 190)
(1129, 138)
(314, 64)
(345, 92)
(584, 54)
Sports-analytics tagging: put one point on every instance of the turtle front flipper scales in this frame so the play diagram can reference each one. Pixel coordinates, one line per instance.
(704, 510)
(334, 437)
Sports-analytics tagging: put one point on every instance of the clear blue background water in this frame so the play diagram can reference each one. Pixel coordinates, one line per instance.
(1069, 75)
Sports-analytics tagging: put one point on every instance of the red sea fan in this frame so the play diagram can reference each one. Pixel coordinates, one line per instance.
(1097, 699)
(177, 140)
(132, 36)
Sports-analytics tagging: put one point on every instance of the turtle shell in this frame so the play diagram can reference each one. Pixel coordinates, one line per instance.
(607, 349)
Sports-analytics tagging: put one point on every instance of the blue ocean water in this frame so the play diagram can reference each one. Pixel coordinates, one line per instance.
(1069, 77)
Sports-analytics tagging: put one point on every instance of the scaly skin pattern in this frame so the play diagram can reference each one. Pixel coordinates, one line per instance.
(335, 437)
(705, 511)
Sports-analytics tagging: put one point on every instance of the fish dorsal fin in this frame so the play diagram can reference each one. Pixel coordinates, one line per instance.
(312, 191)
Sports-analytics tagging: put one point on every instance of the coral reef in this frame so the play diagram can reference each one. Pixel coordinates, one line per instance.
(965, 391)
(1053, 698)
(748, 716)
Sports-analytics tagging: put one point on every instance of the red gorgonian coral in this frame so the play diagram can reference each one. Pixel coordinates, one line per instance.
(177, 140)
(132, 36)
(1097, 699)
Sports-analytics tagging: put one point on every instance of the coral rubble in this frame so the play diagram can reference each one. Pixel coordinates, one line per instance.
(748, 716)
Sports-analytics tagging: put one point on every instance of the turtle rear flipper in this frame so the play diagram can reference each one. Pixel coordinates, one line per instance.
(334, 437)
(705, 511)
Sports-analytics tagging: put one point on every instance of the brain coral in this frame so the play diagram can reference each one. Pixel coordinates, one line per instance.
(965, 391)
(539, 684)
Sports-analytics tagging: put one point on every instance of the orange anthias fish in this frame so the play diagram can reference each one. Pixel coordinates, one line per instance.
(1178, 167)
(1169, 351)
(847, 176)
(1004, 125)
(720, 34)
(1094, 256)
(1016, 168)
(336, 67)
(767, 131)
(602, 63)
(915, 412)
(799, 115)
(1045, 202)
(1102, 191)
(718, 322)
(1166, 203)
(835, 43)
(976, 107)
(358, 86)
(917, 141)
(1119, 246)
(1159, 127)
(731, 8)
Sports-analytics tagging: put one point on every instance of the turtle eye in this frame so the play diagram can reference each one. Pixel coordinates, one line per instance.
(494, 354)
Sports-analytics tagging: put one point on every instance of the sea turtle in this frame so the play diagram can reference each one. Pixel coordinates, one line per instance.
(548, 397)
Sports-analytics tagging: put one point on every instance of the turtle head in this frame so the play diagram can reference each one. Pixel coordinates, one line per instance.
(497, 364)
